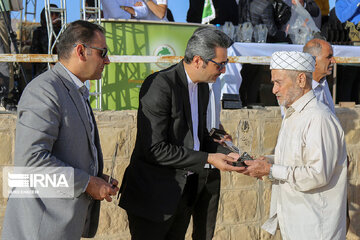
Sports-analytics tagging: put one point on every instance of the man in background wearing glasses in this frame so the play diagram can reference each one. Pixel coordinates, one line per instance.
(166, 175)
(56, 128)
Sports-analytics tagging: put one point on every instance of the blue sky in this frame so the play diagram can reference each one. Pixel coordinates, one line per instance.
(178, 8)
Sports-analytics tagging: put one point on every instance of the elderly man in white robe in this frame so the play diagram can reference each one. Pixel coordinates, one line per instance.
(309, 170)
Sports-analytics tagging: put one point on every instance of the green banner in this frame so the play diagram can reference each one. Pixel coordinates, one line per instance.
(121, 82)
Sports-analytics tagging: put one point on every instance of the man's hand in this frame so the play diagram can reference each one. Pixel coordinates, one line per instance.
(99, 189)
(138, 4)
(113, 181)
(222, 140)
(234, 156)
(257, 168)
(129, 10)
(223, 162)
(226, 137)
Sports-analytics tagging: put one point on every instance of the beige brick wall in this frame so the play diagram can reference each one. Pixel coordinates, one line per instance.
(244, 201)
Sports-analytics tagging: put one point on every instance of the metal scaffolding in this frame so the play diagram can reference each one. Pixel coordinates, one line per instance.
(27, 10)
(50, 28)
(90, 12)
(11, 34)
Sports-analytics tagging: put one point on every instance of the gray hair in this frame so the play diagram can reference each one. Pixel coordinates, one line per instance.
(203, 43)
(314, 46)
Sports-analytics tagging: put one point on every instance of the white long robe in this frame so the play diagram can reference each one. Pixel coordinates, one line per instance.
(309, 194)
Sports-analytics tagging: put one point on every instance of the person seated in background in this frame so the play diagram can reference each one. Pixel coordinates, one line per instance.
(40, 39)
(157, 10)
(124, 9)
(135, 9)
(225, 11)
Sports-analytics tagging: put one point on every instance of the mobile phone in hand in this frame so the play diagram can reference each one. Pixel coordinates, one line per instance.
(241, 161)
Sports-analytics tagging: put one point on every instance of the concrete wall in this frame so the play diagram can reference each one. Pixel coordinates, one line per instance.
(244, 202)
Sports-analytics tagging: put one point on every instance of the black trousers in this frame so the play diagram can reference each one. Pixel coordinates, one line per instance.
(206, 205)
(200, 199)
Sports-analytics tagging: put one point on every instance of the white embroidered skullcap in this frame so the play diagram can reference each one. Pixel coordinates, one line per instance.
(298, 61)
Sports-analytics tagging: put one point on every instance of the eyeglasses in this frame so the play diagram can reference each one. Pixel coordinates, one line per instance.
(104, 51)
(220, 66)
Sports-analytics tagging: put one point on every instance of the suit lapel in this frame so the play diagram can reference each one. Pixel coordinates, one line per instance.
(75, 97)
(185, 93)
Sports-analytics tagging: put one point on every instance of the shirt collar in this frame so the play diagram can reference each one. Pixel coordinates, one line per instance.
(210, 86)
(76, 81)
(191, 84)
(300, 104)
(315, 84)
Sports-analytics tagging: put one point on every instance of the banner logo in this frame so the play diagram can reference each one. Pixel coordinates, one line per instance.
(164, 50)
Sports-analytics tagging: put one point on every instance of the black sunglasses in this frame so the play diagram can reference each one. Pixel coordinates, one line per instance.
(221, 65)
(104, 51)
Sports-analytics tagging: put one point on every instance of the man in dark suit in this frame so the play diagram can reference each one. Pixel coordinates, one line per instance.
(166, 171)
(56, 128)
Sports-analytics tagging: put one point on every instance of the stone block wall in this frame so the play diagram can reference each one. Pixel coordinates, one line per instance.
(7, 141)
(244, 201)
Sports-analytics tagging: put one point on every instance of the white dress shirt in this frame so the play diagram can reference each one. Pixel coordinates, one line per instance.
(310, 170)
(322, 93)
(213, 109)
(214, 106)
(193, 97)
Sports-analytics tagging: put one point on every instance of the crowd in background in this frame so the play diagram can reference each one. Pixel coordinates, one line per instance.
(275, 15)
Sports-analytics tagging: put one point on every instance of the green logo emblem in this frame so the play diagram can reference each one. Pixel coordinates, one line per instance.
(164, 50)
